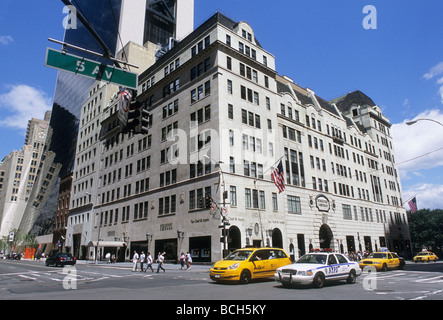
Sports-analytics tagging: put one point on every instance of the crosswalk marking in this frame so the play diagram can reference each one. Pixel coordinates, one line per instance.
(27, 277)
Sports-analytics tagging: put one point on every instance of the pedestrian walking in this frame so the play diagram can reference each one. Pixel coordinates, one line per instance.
(188, 261)
(142, 261)
(160, 260)
(182, 260)
(135, 259)
(149, 262)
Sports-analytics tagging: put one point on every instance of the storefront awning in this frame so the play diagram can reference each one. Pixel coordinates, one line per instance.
(108, 244)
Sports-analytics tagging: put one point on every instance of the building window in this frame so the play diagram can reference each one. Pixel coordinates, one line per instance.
(294, 205)
(229, 87)
(347, 212)
(233, 195)
(230, 111)
(274, 202)
(248, 203)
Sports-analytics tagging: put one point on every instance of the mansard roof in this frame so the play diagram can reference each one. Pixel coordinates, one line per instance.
(303, 97)
(357, 97)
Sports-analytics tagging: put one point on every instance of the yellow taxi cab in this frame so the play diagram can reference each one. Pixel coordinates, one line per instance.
(383, 261)
(246, 264)
(425, 256)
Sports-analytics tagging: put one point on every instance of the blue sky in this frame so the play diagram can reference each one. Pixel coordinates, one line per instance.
(320, 44)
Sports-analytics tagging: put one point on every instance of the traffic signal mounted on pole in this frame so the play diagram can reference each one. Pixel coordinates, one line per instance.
(208, 201)
(133, 116)
(138, 117)
(144, 121)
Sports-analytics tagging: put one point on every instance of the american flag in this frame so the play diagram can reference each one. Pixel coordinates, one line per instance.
(278, 175)
(413, 205)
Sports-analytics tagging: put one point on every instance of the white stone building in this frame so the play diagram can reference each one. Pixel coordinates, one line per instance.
(221, 121)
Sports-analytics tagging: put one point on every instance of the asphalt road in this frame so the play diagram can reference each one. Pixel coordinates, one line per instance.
(30, 280)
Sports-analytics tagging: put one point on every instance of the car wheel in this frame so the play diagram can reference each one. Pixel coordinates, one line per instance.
(245, 277)
(384, 267)
(287, 285)
(352, 278)
(319, 280)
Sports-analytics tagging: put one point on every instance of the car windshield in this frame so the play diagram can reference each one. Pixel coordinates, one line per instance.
(239, 255)
(313, 258)
(378, 255)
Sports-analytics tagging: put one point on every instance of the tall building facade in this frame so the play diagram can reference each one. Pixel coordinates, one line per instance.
(222, 119)
(18, 173)
(119, 22)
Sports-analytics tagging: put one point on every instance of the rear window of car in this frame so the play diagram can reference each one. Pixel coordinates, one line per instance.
(341, 259)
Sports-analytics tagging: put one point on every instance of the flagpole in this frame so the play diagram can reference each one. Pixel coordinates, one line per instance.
(273, 165)
(409, 199)
(258, 209)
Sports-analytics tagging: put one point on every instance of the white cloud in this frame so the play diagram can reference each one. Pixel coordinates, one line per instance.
(419, 147)
(436, 71)
(20, 104)
(429, 196)
(415, 145)
(5, 40)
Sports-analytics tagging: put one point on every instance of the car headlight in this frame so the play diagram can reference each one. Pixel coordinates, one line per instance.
(305, 273)
(234, 266)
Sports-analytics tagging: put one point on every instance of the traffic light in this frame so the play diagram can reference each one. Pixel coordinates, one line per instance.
(208, 201)
(133, 116)
(144, 121)
(138, 116)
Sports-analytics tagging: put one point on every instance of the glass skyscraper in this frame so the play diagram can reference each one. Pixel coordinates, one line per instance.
(116, 22)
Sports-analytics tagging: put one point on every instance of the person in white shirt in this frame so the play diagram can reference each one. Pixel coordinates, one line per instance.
(160, 260)
(188, 260)
(135, 258)
(142, 261)
(149, 262)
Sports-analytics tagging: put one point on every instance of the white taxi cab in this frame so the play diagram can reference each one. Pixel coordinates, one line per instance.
(317, 267)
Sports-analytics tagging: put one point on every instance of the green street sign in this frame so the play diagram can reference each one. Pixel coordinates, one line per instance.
(90, 68)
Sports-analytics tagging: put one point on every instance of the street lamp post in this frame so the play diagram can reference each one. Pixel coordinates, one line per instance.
(409, 123)
(225, 221)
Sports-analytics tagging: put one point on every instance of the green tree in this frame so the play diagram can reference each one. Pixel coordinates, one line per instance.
(426, 229)
(21, 241)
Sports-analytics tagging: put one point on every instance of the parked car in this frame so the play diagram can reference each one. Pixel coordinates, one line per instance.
(317, 267)
(60, 259)
(14, 256)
